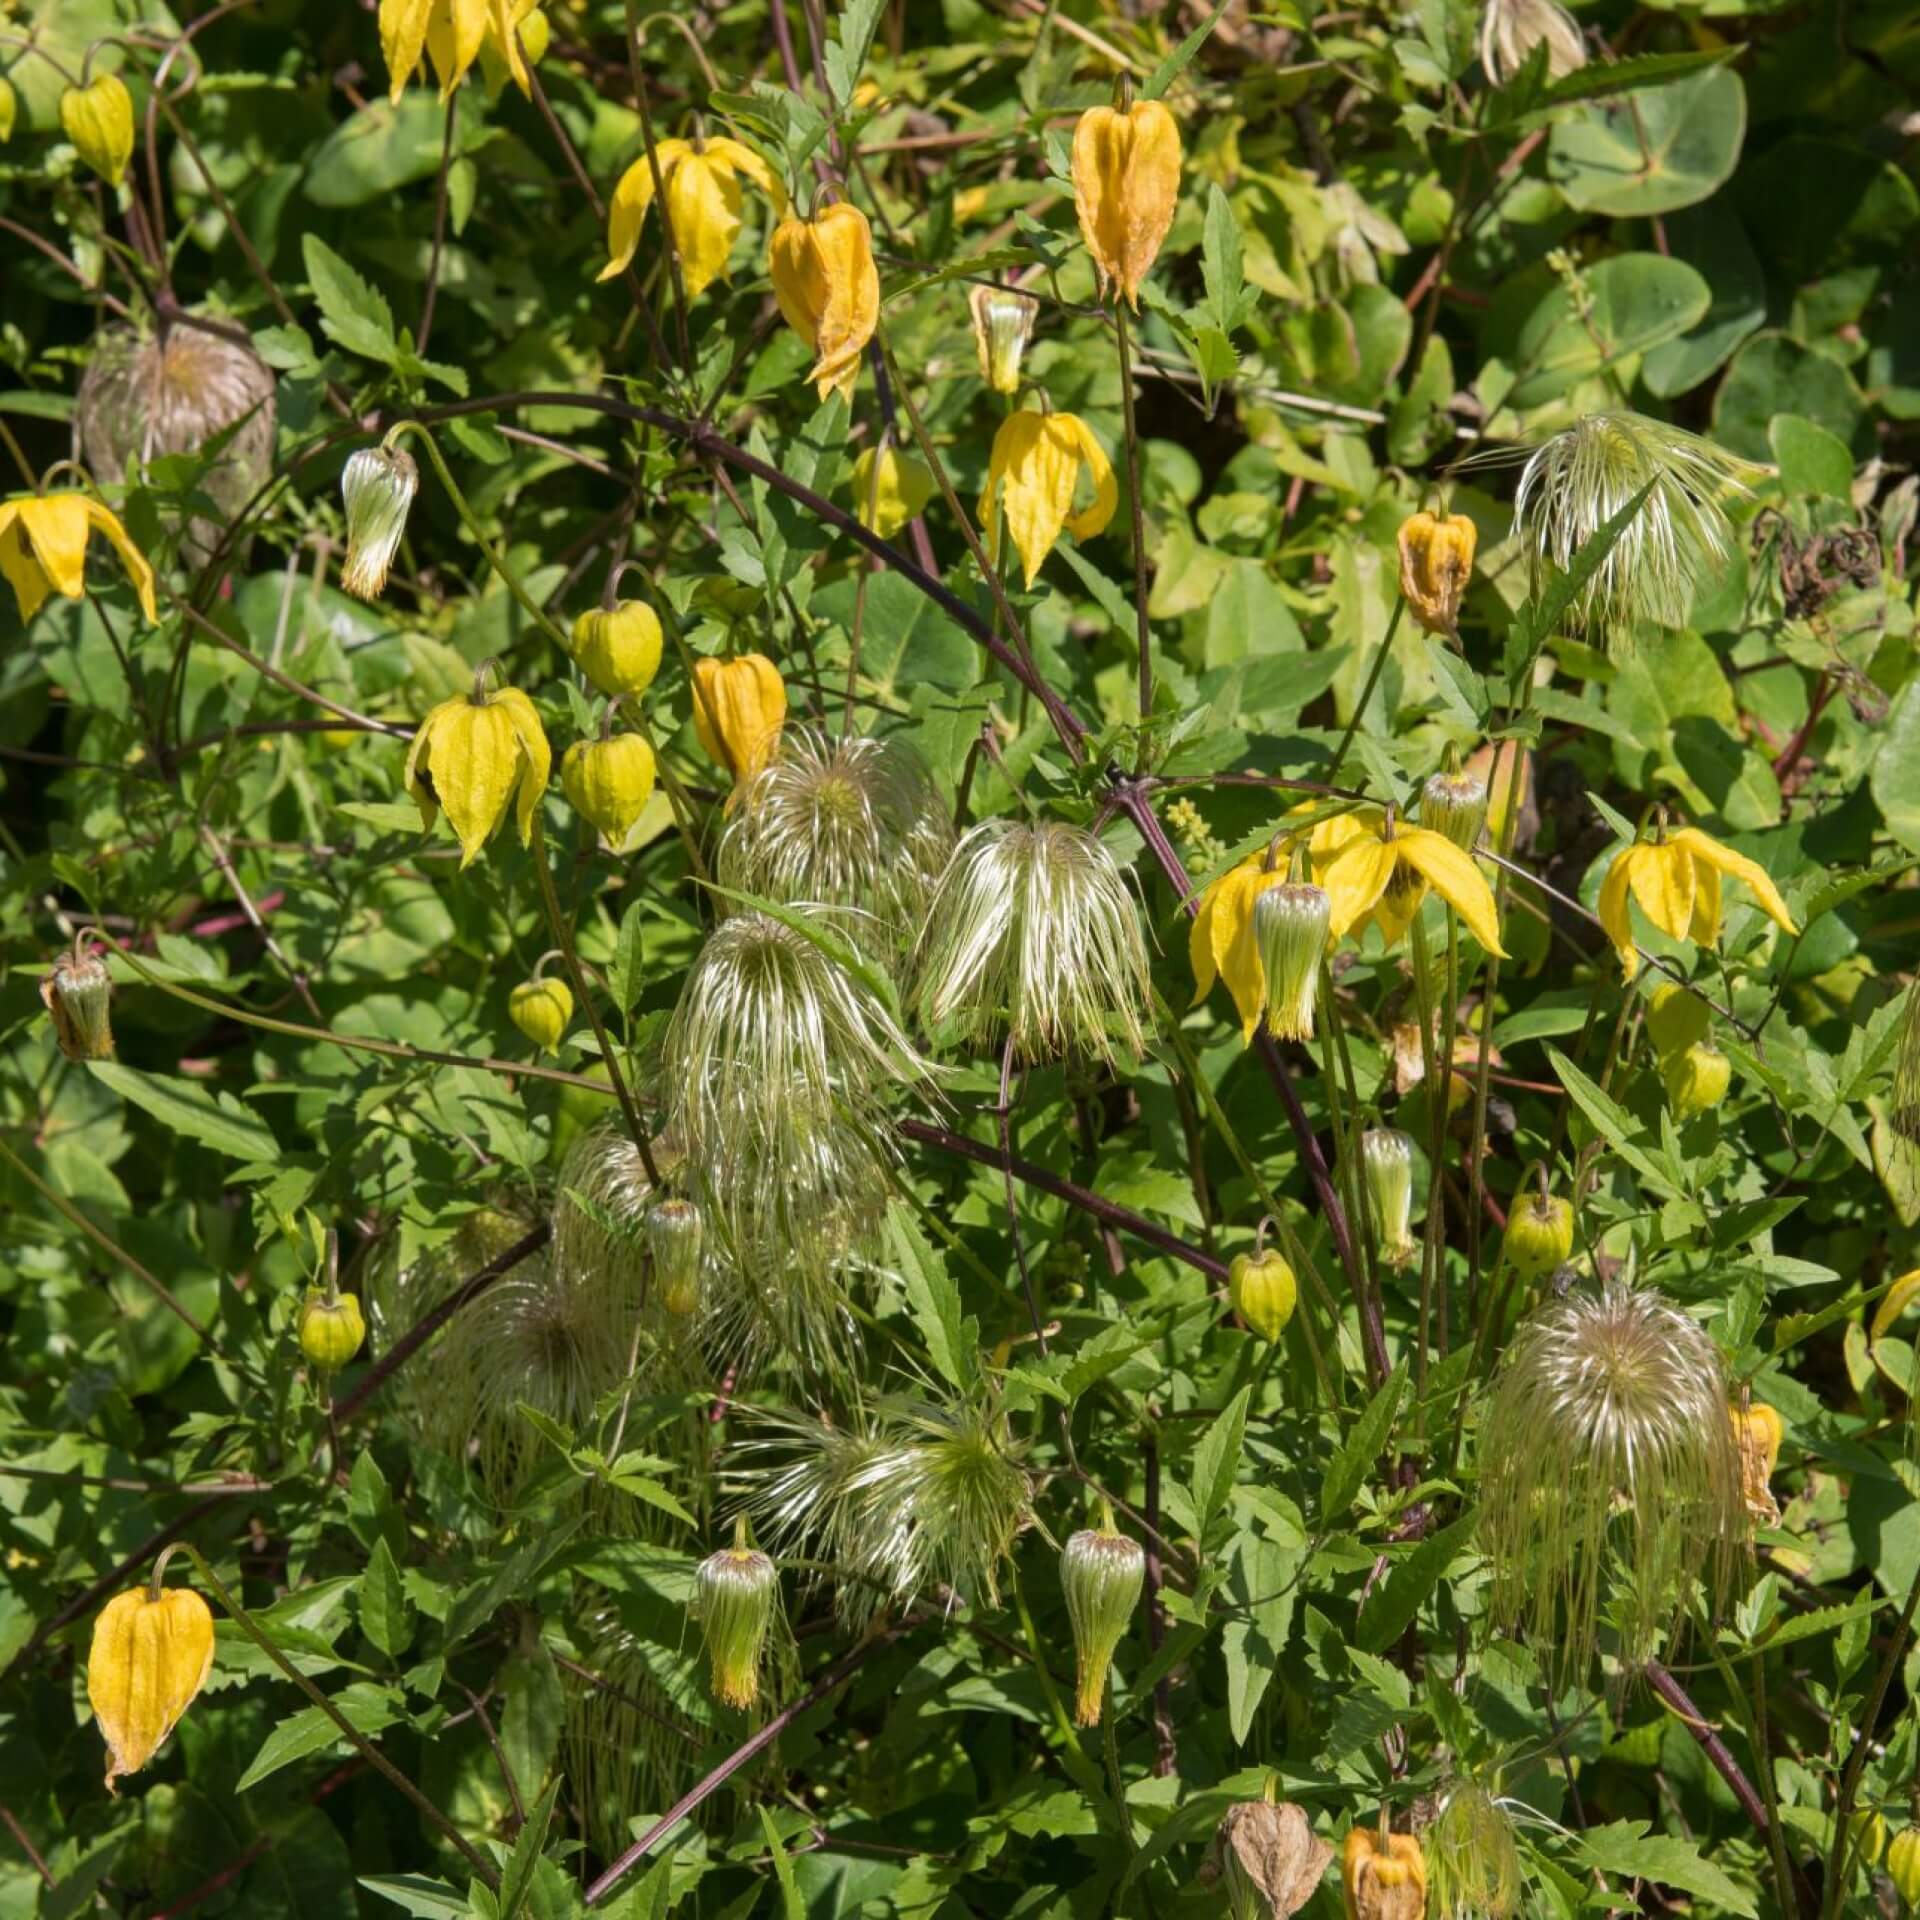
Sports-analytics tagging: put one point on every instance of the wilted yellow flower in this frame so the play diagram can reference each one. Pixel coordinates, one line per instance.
(150, 1656)
(1383, 1879)
(1003, 320)
(1676, 879)
(701, 179)
(1758, 1432)
(1436, 562)
(899, 493)
(43, 549)
(470, 755)
(98, 119)
(452, 33)
(1126, 178)
(1379, 868)
(1032, 475)
(828, 289)
(609, 782)
(746, 700)
(618, 647)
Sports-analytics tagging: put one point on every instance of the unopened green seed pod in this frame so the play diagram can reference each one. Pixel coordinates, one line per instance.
(1290, 925)
(1676, 1019)
(541, 1008)
(674, 1233)
(1386, 1160)
(1455, 804)
(734, 1594)
(1101, 1574)
(98, 119)
(1697, 1079)
(78, 992)
(1539, 1235)
(618, 647)
(377, 486)
(1903, 1864)
(331, 1330)
(1263, 1291)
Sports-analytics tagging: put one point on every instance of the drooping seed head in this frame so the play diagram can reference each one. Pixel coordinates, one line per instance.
(1473, 1859)
(735, 1592)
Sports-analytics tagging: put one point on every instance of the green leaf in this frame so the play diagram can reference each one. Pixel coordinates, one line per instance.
(427, 1899)
(1177, 62)
(1653, 150)
(516, 1880)
(1811, 460)
(1628, 1849)
(1221, 262)
(1627, 305)
(1216, 1460)
(370, 1708)
(1614, 1125)
(1347, 1471)
(184, 1107)
(352, 313)
(1391, 1611)
(792, 1907)
(386, 1614)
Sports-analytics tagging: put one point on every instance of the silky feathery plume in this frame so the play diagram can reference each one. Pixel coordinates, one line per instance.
(736, 1593)
(144, 396)
(828, 290)
(77, 990)
(1436, 562)
(1003, 320)
(1262, 1287)
(541, 1008)
(915, 1498)
(1472, 1857)
(608, 783)
(1386, 1163)
(476, 755)
(1454, 805)
(377, 484)
(851, 823)
(1289, 927)
(151, 1652)
(1033, 930)
(1758, 1430)
(889, 489)
(1033, 474)
(1606, 1449)
(1384, 1876)
(98, 119)
(618, 647)
(1676, 878)
(1511, 29)
(739, 707)
(1679, 538)
(1539, 1236)
(43, 549)
(701, 178)
(674, 1233)
(1377, 869)
(783, 1067)
(1126, 184)
(1697, 1080)
(602, 1199)
(1101, 1575)
(1266, 1858)
(331, 1329)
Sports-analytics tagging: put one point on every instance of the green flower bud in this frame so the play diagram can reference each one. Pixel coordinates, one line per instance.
(1696, 1080)
(1676, 1019)
(674, 1233)
(1539, 1235)
(77, 992)
(1290, 928)
(1903, 1864)
(377, 485)
(609, 782)
(1455, 804)
(618, 647)
(1386, 1161)
(541, 1009)
(1263, 1291)
(734, 1594)
(330, 1330)
(98, 119)
(1101, 1574)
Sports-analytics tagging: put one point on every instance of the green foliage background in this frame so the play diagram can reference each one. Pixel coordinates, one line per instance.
(1380, 261)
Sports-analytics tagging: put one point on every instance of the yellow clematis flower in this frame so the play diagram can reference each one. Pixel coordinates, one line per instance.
(747, 701)
(1436, 562)
(1126, 179)
(1383, 1878)
(1758, 1433)
(886, 501)
(828, 289)
(1379, 869)
(1676, 879)
(1032, 475)
(608, 782)
(513, 25)
(98, 119)
(702, 183)
(470, 755)
(43, 549)
(150, 1655)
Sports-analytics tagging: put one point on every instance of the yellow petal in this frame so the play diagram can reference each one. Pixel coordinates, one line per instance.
(1456, 877)
(631, 199)
(1662, 877)
(1616, 913)
(742, 159)
(473, 755)
(456, 31)
(1243, 969)
(19, 564)
(1354, 880)
(98, 119)
(410, 776)
(1711, 853)
(135, 562)
(503, 22)
(1126, 181)
(828, 289)
(55, 525)
(1895, 1302)
(1704, 927)
(1200, 943)
(536, 757)
(147, 1660)
(1092, 522)
(403, 38)
(703, 199)
(746, 701)
(609, 782)
(1036, 463)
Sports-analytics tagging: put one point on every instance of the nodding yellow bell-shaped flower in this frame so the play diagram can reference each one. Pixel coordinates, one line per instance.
(1676, 1019)
(1126, 179)
(889, 489)
(1697, 1079)
(453, 34)
(1758, 1432)
(739, 707)
(1383, 1878)
(618, 647)
(828, 289)
(331, 1329)
(98, 119)
(473, 755)
(541, 1008)
(1903, 1864)
(1263, 1290)
(43, 549)
(1676, 878)
(1436, 562)
(151, 1651)
(701, 179)
(609, 782)
(1033, 473)
(1377, 868)
(1539, 1235)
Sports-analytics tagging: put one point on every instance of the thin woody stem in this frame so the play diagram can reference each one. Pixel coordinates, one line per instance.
(1141, 621)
